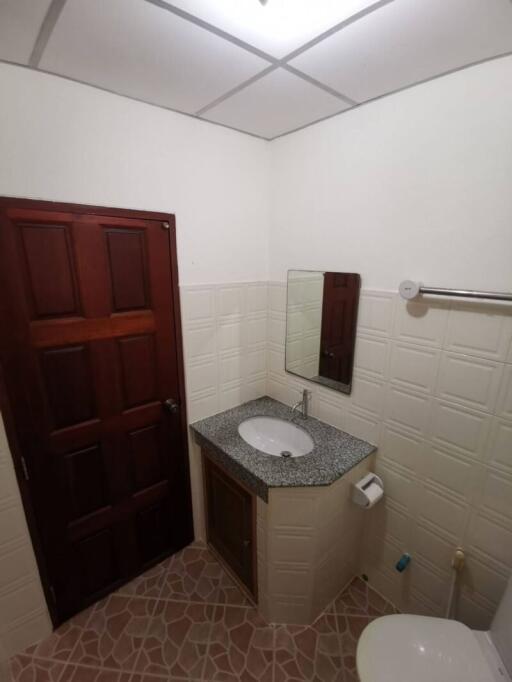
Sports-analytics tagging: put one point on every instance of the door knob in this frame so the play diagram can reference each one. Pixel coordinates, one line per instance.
(171, 405)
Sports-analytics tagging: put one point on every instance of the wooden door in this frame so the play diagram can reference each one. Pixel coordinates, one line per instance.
(90, 347)
(230, 520)
(339, 321)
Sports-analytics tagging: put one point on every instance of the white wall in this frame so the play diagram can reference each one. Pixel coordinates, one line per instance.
(414, 186)
(63, 141)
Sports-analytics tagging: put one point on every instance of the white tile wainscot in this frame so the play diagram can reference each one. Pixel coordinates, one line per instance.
(433, 389)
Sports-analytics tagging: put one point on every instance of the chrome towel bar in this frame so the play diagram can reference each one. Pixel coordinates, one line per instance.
(410, 290)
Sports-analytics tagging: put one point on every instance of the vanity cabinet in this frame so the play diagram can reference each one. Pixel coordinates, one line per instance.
(230, 522)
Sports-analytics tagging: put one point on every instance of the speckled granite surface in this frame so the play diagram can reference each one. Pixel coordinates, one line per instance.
(335, 452)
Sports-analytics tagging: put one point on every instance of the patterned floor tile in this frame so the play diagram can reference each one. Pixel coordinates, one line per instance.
(194, 575)
(359, 599)
(60, 644)
(241, 646)
(80, 673)
(350, 629)
(29, 669)
(177, 640)
(311, 653)
(229, 593)
(149, 584)
(115, 632)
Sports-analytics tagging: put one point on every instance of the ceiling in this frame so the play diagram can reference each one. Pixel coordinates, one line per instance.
(265, 70)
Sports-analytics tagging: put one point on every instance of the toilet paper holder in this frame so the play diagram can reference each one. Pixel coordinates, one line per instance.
(368, 491)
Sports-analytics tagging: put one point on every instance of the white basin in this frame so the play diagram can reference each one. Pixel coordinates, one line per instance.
(276, 436)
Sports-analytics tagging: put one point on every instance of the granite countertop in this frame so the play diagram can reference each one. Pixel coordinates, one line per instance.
(335, 452)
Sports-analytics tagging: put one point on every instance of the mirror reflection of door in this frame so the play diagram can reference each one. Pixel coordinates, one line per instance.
(339, 316)
(321, 320)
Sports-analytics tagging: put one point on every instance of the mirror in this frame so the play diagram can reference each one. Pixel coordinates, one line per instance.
(321, 319)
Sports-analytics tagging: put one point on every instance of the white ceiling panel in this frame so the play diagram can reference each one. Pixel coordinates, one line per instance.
(20, 21)
(275, 104)
(138, 49)
(280, 26)
(408, 41)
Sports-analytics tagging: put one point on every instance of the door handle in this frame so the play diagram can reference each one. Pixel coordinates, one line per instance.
(171, 405)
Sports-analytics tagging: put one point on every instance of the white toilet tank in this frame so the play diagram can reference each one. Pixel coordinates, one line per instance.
(501, 628)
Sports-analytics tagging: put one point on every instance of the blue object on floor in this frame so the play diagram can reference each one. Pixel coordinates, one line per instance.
(403, 562)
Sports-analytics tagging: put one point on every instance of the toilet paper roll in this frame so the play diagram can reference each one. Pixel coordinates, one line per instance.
(373, 493)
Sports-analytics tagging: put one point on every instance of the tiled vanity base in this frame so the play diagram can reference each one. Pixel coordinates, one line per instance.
(308, 541)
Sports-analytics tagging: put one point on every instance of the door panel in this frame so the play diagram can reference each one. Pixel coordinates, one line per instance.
(94, 340)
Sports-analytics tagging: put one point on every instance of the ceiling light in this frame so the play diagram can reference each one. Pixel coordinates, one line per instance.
(275, 26)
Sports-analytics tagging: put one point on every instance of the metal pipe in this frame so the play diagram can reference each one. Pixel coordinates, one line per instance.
(410, 290)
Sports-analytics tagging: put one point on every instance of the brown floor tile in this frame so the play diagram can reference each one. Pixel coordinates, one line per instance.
(25, 668)
(193, 574)
(60, 644)
(241, 646)
(360, 600)
(149, 584)
(350, 629)
(115, 632)
(310, 653)
(80, 673)
(229, 593)
(177, 640)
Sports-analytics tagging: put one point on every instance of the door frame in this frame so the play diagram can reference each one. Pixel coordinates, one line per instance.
(5, 404)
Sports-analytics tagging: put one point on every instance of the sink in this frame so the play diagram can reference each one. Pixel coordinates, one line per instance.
(276, 437)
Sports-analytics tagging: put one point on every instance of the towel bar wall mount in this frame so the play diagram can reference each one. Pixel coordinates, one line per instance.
(412, 290)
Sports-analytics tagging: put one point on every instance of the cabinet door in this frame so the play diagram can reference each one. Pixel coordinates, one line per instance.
(230, 522)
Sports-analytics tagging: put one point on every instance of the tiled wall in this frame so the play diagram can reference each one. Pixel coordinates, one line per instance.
(224, 337)
(433, 388)
(23, 613)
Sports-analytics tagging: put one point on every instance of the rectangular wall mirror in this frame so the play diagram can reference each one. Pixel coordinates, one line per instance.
(321, 319)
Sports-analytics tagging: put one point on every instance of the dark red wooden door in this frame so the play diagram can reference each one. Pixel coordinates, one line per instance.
(339, 320)
(91, 351)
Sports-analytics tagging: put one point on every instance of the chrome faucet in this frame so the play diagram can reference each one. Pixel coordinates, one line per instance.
(303, 404)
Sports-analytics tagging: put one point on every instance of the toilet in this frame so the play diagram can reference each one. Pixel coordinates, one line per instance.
(404, 648)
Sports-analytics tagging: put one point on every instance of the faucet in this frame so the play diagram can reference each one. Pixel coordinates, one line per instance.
(303, 404)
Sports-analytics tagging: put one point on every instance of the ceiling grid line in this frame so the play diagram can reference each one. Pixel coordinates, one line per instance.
(49, 21)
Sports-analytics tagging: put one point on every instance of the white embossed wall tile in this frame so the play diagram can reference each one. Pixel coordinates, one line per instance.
(376, 312)
(504, 404)
(368, 394)
(468, 380)
(421, 322)
(448, 515)
(456, 426)
(372, 355)
(414, 367)
(476, 615)
(457, 476)
(407, 410)
(479, 329)
(491, 537)
(401, 447)
(257, 298)
(433, 547)
(277, 297)
(481, 579)
(431, 584)
(362, 424)
(499, 449)
(230, 300)
(197, 304)
(496, 494)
